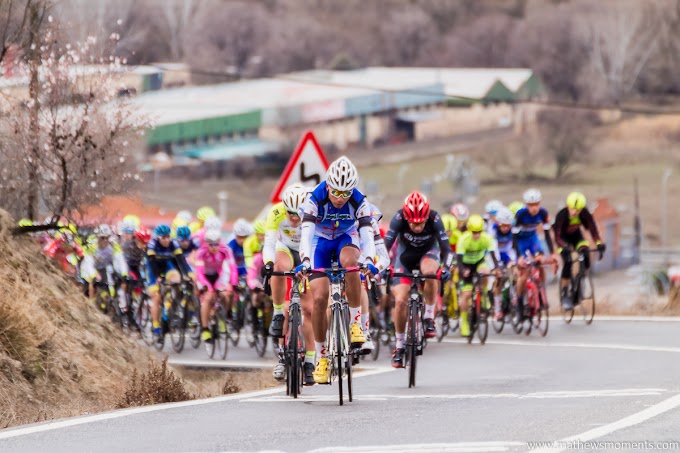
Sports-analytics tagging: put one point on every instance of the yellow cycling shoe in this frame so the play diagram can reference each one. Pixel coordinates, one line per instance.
(356, 335)
(206, 336)
(321, 371)
(464, 325)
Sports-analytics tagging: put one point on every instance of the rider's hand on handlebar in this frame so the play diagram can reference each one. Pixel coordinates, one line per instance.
(466, 273)
(369, 268)
(302, 270)
(497, 272)
(444, 274)
(601, 247)
(267, 269)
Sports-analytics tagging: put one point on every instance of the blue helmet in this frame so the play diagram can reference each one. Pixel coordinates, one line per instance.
(162, 230)
(183, 233)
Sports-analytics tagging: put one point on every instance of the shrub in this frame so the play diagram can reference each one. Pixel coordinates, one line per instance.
(157, 385)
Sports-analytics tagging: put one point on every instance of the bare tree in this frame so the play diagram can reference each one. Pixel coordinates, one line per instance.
(483, 43)
(565, 136)
(408, 36)
(177, 15)
(69, 146)
(623, 35)
(14, 24)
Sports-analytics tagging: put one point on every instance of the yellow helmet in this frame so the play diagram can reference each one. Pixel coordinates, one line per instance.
(258, 226)
(475, 223)
(133, 219)
(576, 200)
(25, 222)
(515, 206)
(205, 212)
(176, 223)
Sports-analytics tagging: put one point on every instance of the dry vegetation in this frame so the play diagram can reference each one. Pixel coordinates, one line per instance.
(59, 356)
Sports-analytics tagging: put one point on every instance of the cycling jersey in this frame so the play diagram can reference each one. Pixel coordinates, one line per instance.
(133, 254)
(279, 233)
(191, 246)
(97, 259)
(505, 251)
(251, 247)
(471, 250)
(239, 256)
(568, 229)
(433, 234)
(334, 228)
(161, 259)
(218, 267)
(525, 234)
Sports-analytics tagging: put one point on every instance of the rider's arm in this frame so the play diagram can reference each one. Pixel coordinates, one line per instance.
(588, 222)
(87, 270)
(443, 237)
(460, 251)
(364, 218)
(229, 265)
(310, 210)
(250, 248)
(181, 261)
(515, 233)
(561, 221)
(201, 279)
(546, 232)
(119, 263)
(380, 249)
(270, 232)
(393, 231)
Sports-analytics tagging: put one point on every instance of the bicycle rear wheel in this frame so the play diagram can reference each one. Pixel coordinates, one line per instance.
(482, 321)
(292, 353)
(259, 331)
(194, 324)
(178, 322)
(222, 335)
(587, 299)
(542, 319)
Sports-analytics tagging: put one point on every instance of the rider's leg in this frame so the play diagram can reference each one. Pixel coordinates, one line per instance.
(400, 292)
(431, 287)
(349, 257)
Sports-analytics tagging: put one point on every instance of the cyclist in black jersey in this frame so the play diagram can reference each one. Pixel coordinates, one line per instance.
(422, 244)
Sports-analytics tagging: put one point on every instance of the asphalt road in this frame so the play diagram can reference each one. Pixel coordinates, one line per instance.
(610, 382)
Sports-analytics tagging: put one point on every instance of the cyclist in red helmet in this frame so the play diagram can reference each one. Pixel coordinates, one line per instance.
(422, 244)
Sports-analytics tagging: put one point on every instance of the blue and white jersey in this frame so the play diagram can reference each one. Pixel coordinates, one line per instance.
(526, 224)
(332, 222)
(504, 248)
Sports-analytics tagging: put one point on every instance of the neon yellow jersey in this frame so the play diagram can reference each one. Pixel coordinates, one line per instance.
(251, 247)
(195, 226)
(278, 230)
(473, 251)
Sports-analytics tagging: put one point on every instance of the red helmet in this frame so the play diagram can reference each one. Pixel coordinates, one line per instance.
(416, 208)
(143, 234)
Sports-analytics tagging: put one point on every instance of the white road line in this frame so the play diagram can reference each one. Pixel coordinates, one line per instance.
(220, 363)
(68, 422)
(425, 448)
(627, 422)
(639, 318)
(625, 347)
(306, 398)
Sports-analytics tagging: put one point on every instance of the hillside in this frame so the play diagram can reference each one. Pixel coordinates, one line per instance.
(58, 355)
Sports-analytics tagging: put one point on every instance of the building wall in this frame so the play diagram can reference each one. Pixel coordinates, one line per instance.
(452, 121)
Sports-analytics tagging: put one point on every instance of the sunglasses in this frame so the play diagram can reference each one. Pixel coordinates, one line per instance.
(166, 237)
(293, 214)
(341, 193)
(419, 224)
(213, 244)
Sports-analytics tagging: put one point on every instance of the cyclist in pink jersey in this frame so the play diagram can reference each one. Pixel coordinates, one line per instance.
(215, 271)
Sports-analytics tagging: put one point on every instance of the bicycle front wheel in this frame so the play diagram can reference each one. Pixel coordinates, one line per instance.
(587, 299)
(340, 331)
(482, 320)
(412, 343)
(222, 335)
(542, 319)
(292, 353)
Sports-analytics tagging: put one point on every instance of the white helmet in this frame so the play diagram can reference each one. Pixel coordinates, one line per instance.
(184, 216)
(294, 196)
(212, 235)
(242, 227)
(342, 174)
(532, 196)
(213, 223)
(505, 217)
(103, 230)
(493, 206)
(127, 226)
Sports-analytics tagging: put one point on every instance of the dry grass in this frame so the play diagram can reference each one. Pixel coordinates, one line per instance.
(157, 385)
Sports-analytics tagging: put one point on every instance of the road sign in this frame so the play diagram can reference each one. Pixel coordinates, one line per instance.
(307, 165)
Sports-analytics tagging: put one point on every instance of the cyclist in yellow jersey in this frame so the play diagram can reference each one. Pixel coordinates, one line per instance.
(472, 249)
(281, 253)
(252, 254)
(202, 214)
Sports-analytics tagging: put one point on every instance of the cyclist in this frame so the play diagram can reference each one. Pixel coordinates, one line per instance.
(65, 250)
(329, 228)
(134, 251)
(472, 249)
(382, 262)
(526, 241)
(99, 259)
(515, 206)
(252, 254)
(505, 253)
(460, 214)
(211, 223)
(242, 229)
(215, 272)
(422, 244)
(164, 258)
(201, 215)
(281, 254)
(186, 242)
(568, 237)
(490, 211)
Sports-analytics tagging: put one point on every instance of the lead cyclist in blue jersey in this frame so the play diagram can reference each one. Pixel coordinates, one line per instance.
(526, 241)
(336, 220)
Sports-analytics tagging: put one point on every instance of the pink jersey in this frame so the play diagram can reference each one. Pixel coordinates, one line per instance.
(208, 263)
